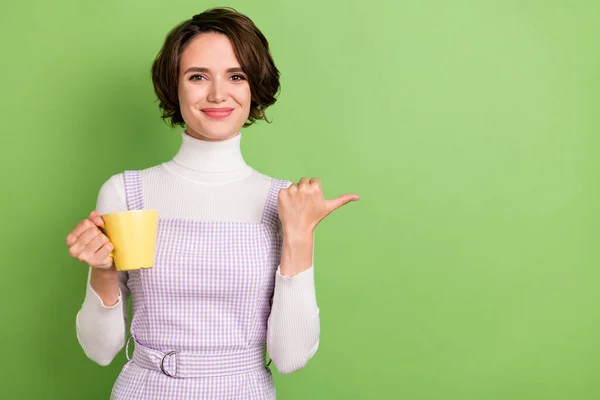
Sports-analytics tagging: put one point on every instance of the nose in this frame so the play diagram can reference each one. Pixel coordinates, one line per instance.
(216, 93)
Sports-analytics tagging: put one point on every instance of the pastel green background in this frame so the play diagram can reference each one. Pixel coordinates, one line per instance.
(468, 270)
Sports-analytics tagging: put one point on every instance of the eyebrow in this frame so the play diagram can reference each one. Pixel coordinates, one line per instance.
(202, 69)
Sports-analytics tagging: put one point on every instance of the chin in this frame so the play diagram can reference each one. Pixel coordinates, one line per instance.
(213, 133)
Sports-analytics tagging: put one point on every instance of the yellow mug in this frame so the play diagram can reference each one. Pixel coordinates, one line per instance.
(133, 234)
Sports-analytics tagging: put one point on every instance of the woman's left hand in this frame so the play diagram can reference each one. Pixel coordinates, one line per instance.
(302, 206)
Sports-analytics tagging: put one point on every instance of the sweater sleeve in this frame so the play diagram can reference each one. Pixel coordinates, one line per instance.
(101, 330)
(294, 324)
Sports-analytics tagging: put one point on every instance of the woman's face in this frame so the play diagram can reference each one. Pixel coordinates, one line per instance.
(214, 93)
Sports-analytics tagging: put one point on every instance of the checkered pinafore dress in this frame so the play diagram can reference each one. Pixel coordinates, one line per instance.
(199, 320)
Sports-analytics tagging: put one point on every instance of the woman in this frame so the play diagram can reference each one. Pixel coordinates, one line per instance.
(233, 274)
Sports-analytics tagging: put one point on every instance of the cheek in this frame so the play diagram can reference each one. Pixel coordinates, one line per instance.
(245, 101)
(245, 97)
(242, 96)
(188, 95)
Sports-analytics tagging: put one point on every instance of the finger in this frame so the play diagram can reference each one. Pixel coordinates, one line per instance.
(106, 259)
(303, 183)
(292, 188)
(315, 184)
(89, 252)
(96, 244)
(103, 252)
(334, 204)
(79, 229)
(83, 241)
(96, 218)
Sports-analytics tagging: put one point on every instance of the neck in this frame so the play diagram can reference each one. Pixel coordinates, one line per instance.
(209, 161)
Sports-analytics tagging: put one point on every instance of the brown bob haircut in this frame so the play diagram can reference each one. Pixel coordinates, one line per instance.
(251, 49)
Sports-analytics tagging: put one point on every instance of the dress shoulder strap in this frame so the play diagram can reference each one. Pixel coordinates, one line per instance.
(134, 189)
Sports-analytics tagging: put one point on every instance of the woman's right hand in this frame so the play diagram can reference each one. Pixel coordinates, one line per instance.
(88, 244)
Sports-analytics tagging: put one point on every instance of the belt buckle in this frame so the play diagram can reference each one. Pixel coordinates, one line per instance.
(162, 363)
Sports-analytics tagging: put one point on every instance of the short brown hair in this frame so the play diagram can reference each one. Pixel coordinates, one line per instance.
(251, 49)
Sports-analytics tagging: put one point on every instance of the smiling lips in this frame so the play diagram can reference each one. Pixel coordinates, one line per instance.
(217, 113)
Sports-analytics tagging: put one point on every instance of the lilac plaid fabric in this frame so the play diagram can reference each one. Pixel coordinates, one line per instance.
(199, 321)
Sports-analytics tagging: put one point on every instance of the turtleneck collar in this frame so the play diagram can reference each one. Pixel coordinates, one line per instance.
(207, 161)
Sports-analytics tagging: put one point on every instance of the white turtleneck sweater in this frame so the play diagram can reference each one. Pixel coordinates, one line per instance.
(216, 173)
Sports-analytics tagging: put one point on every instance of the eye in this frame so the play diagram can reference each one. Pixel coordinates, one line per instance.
(192, 78)
(238, 77)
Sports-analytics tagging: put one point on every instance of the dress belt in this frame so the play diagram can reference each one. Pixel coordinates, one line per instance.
(199, 365)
